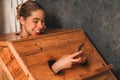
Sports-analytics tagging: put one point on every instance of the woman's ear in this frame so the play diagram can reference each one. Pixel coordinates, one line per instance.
(22, 20)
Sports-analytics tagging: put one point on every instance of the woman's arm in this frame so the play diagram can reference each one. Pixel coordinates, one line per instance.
(66, 61)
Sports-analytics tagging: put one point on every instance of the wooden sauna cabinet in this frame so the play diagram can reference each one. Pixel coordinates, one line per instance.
(26, 58)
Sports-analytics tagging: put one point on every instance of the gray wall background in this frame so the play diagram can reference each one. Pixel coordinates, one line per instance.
(2, 30)
(100, 20)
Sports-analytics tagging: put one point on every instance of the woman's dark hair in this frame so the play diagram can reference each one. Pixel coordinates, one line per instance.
(27, 7)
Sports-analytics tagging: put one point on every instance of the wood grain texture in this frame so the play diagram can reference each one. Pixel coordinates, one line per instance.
(28, 58)
(3, 75)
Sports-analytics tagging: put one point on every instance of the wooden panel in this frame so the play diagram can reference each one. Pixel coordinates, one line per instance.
(6, 55)
(27, 58)
(36, 53)
(12, 65)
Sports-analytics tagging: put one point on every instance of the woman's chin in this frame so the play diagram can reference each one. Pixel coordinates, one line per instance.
(35, 34)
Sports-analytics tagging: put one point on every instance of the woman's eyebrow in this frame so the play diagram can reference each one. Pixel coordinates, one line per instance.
(38, 19)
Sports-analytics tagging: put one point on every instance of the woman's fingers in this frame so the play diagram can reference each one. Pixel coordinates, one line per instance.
(75, 54)
(76, 60)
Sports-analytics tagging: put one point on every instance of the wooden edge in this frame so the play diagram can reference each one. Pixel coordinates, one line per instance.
(97, 71)
(20, 61)
(6, 69)
(94, 48)
(97, 52)
(105, 68)
(46, 35)
(3, 43)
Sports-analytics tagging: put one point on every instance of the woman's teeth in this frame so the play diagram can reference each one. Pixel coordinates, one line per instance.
(37, 31)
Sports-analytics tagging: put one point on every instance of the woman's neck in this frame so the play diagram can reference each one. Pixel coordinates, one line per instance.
(24, 32)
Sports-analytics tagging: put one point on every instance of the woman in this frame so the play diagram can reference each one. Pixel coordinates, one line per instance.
(32, 19)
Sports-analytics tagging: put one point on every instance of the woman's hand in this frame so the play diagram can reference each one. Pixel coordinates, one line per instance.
(66, 61)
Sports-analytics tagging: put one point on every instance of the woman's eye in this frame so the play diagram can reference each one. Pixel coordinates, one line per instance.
(43, 21)
(35, 21)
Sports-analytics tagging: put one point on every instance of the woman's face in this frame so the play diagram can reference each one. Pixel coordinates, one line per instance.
(34, 24)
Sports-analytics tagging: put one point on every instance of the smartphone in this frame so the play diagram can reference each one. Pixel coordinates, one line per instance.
(83, 60)
(79, 47)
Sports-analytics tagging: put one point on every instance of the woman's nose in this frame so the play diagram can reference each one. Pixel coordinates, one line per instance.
(40, 25)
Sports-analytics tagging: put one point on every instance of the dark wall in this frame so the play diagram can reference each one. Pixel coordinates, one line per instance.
(100, 19)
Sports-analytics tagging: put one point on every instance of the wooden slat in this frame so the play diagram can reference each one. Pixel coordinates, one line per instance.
(6, 55)
(97, 71)
(11, 63)
(3, 76)
(4, 67)
(20, 61)
(20, 75)
(13, 67)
